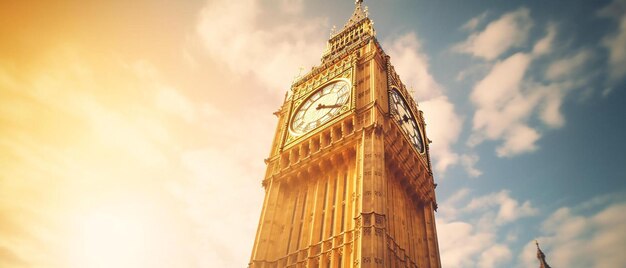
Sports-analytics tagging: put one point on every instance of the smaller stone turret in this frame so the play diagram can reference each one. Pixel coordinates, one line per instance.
(541, 257)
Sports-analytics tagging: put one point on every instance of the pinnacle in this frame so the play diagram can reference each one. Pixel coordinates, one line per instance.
(358, 15)
(541, 256)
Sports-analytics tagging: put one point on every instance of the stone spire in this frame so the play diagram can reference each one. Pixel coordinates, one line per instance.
(358, 30)
(541, 257)
(358, 15)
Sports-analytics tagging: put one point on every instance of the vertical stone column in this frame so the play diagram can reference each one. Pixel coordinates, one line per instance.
(280, 231)
(433, 247)
(310, 181)
(267, 223)
(350, 249)
(372, 217)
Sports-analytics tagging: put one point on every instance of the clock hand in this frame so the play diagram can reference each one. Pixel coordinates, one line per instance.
(322, 106)
(403, 120)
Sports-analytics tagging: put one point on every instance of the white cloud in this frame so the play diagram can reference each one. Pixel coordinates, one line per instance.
(616, 44)
(412, 66)
(510, 30)
(443, 124)
(544, 46)
(506, 98)
(568, 66)
(449, 209)
(550, 113)
(519, 139)
(473, 23)
(503, 82)
(468, 234)
(615, 9)
(508, 209)
(586, 235)
(574, 238)
(444, 127)
(461, 244)
(495, 256)
(272, 54)
(469, 164)
(509, 96)
(503, 108)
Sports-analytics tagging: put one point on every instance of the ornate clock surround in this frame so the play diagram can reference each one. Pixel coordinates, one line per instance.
(344, 70)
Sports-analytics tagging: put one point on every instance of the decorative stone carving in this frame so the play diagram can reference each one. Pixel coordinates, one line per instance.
(379, 232)
(367, 231)
(367, 220)
(379, 219)
(328, 245)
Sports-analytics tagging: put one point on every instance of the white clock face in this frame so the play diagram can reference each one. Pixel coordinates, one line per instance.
(405, 118)
(320, 107)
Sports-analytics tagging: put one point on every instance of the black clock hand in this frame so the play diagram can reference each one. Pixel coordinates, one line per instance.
(403, 120)
(322, 106)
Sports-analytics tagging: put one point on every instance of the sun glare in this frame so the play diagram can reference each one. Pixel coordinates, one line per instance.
(112, 237)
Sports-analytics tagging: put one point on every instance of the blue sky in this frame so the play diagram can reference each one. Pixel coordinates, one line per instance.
(133, 134)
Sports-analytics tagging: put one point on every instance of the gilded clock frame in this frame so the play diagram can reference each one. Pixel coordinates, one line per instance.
(347, 75)
(342, 109)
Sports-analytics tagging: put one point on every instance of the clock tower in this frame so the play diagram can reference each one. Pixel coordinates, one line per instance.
(349, 181)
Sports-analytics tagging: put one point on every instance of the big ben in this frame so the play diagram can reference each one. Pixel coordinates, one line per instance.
(349, 181)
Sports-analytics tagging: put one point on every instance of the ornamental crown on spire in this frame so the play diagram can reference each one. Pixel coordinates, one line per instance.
(357, 31)
(358, 15)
